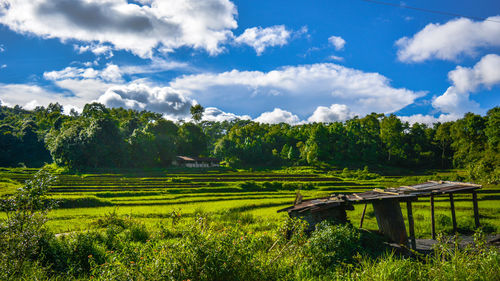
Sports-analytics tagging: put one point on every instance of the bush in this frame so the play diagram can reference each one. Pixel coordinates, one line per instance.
(276, 185)
(82, 202)
(23, 232)
(359, 174)
(331, 246)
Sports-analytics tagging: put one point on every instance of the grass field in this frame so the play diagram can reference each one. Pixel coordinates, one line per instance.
(152, 196)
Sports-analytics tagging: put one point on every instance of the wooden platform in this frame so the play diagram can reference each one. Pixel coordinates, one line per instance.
(386, 204)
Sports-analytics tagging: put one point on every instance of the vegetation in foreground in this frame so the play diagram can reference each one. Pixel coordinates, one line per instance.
(226, 246)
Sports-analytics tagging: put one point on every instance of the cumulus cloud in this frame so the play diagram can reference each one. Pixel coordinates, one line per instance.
(278, 116)
(429, 119)
(465, 80)
(261, 38)
(97, 49)
(2, 48)
(217, 115)
(450, 40)
(138, 27)
(30, 96)
(300, 89)
(143, 97)
(337, 42)
(113, 73)
(336, 112)
(3, 66)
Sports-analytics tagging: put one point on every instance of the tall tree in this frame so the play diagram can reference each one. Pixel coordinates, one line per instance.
(391, 133)
(197, 112)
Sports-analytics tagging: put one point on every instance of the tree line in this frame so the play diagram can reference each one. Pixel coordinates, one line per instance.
(116, 137)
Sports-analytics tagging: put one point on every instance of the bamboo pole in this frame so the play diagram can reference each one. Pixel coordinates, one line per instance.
(476, 209)
(362, 216)
(453, 216)
(411, 225)
(433, 221)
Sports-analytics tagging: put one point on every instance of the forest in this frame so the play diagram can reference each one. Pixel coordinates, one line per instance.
(103, 137)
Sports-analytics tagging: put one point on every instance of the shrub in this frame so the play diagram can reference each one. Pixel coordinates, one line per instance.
(23, 231)
(330, 246)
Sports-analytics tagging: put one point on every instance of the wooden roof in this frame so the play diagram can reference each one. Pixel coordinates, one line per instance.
(402, 193)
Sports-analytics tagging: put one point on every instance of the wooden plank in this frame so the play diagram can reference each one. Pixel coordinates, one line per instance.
(357, 196)
(385, 192)
(362, 217)
(411, 225)
(476, 209)
(433, 222)
(463, 183)
(453, 216)
(390, 220)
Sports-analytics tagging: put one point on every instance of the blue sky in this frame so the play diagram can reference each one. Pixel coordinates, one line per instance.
(271, 61)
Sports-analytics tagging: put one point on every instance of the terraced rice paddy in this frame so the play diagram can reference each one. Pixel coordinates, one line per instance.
(152, 196)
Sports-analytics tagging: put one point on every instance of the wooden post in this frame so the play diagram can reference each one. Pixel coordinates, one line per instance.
(433, 222)
(411, 225)
(476, 209)
(363, 216)
(390, 220)
(453, 217)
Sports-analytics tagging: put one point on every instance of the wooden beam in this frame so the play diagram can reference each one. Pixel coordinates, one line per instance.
(433, 221)
(362, 217)
(411, 225)
(476, 209)
(390, 220)
(385, 192)
(453, 216)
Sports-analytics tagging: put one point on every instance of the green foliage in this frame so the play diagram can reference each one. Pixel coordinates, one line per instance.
(197, 112)
(115, 137)
(82, 202)
(359, 174)
(275, 185)
(447, 263)
(333, 245)
(22, 232)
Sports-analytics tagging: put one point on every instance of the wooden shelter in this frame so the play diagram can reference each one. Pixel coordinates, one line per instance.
(386, 205)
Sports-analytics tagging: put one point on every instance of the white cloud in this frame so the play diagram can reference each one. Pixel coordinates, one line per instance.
(156, 65)
(217, 115)
(336, 58)
(3, 66)
(140, 28)
(450, 40)
(30, 96)
(31, 105)
(336, 112)
(97, 49)
(300, 89)
(337, 42)
(139, 96)
(429, 119)
(485, 74)
(2, 48)
(278, 116)
(69, 107)
(260, 38)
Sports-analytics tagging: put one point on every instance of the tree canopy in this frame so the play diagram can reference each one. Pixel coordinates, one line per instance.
(117, 137)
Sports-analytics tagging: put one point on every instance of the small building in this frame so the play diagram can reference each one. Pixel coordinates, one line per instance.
(196, 162)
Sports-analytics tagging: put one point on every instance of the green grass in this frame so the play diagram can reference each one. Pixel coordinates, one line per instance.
(152, 195)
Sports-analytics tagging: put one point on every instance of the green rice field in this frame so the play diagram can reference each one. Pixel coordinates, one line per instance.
(153, 196)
